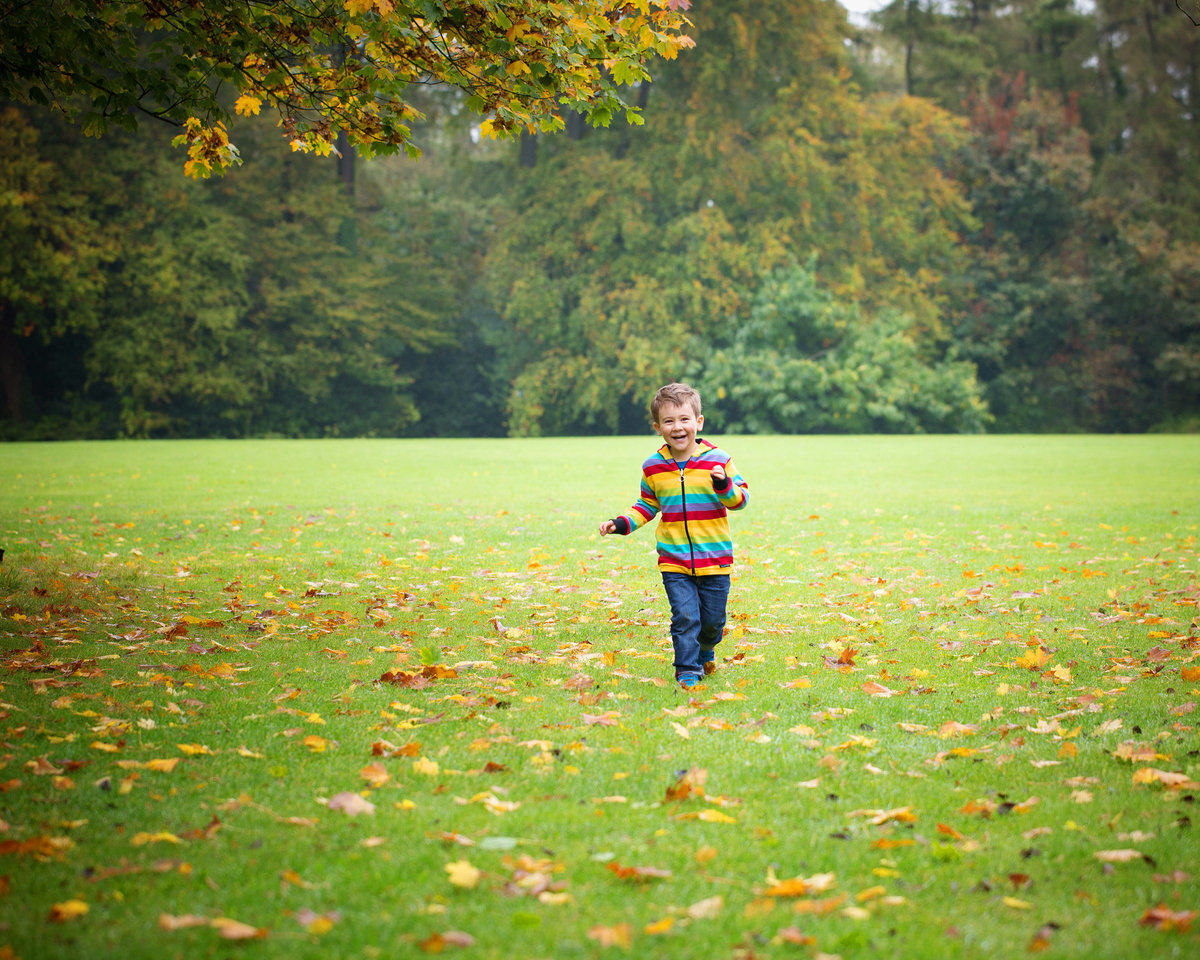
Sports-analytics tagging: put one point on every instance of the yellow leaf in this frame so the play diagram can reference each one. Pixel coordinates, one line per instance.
(708, 816)
(165, 765)
(463, 874)
(315, 744)
(1033, 659)
(319, 925)
(194, 749)
(660, 926)
(1017, 904)
(67, 910)
(246, 752)
(426, 766)
(163, 836)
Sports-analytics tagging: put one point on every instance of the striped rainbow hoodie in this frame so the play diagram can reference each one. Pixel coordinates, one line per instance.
(693, 533)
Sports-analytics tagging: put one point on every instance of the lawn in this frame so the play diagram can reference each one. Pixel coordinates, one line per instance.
(395, 698)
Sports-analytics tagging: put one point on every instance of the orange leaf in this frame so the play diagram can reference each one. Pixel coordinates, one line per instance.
(638, 873)
(620, 935)
(375, 775)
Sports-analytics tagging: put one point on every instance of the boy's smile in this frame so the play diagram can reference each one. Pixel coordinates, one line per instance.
(678, 425)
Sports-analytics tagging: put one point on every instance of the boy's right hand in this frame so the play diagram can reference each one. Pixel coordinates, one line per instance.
(607, 527)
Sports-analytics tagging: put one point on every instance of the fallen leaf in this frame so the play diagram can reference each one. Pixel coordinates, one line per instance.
(706, 908)
(236, 930)
(463, 874)
(351, 803)
(1117, 856)
(607, 719)
(67, 910)
(1164, 918)
(620, 935)
(163, 836)
(1170, 780)
(638, 873)
(375, 775)
(169, 923)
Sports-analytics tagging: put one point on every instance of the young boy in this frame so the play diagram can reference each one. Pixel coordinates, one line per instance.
(693, 483)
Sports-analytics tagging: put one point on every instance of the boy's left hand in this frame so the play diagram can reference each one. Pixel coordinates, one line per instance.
(718, 473)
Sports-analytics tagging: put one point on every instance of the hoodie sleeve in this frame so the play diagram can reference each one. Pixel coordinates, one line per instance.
(642, 512)
(735, 494)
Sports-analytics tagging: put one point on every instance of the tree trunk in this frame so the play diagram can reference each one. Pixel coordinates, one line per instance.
(345, 162)
(11, 366)
(622, 146)
(529, 146)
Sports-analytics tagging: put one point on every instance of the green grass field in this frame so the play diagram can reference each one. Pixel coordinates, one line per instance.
(394, 698)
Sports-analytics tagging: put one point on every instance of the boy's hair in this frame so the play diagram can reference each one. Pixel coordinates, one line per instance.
(679, 394)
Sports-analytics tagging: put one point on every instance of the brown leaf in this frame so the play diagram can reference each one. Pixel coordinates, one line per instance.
(690, 784)
(620, 935)
(351, 804)
(171, 923)
(1164, 918)
(638, 873)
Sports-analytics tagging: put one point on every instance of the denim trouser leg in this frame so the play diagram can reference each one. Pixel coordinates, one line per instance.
(697, 617)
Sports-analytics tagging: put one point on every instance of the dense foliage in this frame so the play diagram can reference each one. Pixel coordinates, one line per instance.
(328, 67)
(965, 217)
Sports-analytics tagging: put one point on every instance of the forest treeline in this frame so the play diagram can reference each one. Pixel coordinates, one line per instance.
(967, 216)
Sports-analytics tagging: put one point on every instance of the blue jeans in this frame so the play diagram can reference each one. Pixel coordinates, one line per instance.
(697, 618)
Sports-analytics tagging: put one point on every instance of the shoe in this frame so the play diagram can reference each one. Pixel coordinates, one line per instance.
(689, 680)
(710, 667)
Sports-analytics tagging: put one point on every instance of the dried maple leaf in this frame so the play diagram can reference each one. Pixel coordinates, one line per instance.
(873, 689)
(706, 908)
(1117, 856)
(689, 784)
(607, 719)
(1164, 918)
(375, 775)
(638, 873)
(351, 804)
(1170, 780)
(620, 935)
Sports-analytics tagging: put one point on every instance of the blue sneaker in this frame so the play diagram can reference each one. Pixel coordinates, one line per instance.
(689, 680)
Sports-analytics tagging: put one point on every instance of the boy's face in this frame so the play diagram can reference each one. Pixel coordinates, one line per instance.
(678, 426)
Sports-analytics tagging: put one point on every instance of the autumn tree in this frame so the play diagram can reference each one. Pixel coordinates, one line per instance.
(624, 254)
(329, 66)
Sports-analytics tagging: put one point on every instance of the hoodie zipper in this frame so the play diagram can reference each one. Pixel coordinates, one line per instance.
(683, 499)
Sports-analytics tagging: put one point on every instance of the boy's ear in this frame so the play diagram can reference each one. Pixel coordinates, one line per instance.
(700, 422)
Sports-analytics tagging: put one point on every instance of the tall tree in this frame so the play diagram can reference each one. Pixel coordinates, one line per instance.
(623, 254)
